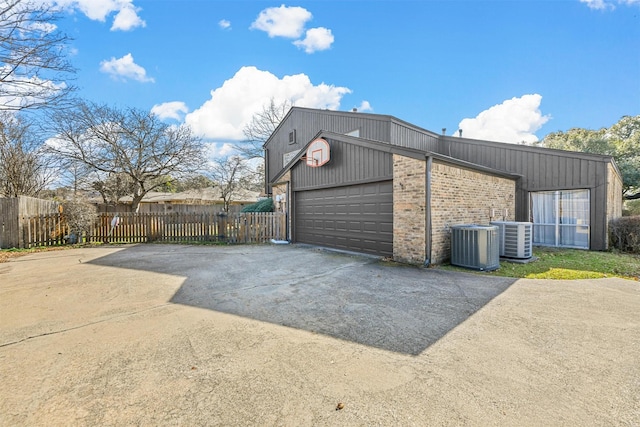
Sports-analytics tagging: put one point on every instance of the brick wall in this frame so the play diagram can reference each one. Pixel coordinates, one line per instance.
(462, 196)
(280, 189)
(409, 209)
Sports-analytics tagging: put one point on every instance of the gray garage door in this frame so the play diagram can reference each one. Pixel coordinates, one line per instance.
(355, 218)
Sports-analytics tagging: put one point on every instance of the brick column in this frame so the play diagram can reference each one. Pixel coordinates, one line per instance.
(409, 209)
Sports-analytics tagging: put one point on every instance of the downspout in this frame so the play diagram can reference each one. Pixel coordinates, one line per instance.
(289, 201)
(267, 188)
(428, 233)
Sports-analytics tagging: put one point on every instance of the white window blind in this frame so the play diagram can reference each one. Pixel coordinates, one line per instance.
(561, 218)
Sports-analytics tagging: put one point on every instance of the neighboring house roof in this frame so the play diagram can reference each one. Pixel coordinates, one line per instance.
(208, 195)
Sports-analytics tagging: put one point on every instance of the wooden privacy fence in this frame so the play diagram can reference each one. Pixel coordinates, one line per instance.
(12, 209)
(43, 230)
(259, 227)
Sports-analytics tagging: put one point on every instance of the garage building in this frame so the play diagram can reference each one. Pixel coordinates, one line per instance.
(393, 189)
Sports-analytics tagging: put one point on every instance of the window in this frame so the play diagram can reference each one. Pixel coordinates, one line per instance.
(561, 218)
(287, 157)
(292, 137)
(355, 132)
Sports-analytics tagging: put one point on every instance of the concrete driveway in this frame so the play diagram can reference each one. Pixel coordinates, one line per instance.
(279, 335)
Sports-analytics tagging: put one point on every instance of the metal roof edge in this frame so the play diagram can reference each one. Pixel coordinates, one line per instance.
(519, 147)
(386, 117)
(474, 166)
(448, 138)
(414, 153)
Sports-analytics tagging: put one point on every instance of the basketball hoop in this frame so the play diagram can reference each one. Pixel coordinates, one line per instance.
(310, 161)
(317, 153)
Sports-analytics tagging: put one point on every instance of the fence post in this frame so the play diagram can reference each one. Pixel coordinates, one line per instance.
(247, 226)
(147, 223)
(25, 244)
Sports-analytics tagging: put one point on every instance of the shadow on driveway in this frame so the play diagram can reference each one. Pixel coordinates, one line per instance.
(349, 297)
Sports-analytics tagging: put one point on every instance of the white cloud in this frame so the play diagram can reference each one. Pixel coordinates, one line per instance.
(20, 91)
(232, 105)
(289, 22)
(596, 4)
(127, 19)
(282, 21)
(608, 4)
(515, 121)
(125, 68)
(316, 39)
(216, 150)
(45, 27)
(97, 10)
(365, 106)
(224, 24)
(170, 110)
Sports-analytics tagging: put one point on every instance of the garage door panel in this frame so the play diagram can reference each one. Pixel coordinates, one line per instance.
(354, 209)
(368, 191)
(387, 229)
(341, 225)
(340, 193)
(356, 218)
(371, 227)
(356, 190)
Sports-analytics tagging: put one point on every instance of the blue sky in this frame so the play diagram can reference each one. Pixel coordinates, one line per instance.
(504, 70)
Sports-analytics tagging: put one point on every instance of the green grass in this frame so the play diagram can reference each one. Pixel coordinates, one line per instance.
(6, 254)
(568, 264)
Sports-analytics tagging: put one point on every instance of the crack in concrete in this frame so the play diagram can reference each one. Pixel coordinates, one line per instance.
(61, 331)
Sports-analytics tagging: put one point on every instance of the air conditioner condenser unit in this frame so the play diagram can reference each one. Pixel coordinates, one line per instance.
(475, 246)
(516, 239)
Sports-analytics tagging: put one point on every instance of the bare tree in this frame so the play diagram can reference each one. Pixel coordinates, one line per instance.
(113, 186)
(80, 216)
(261, 127)
(75, 176)
(232, 176)
(81, 179)
(24, 171)
(193, 182)
(34, 71)
(125, 142)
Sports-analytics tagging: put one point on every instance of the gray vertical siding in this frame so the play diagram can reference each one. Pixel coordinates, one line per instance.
(350, 164)
(308, 122)
(404, 135)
